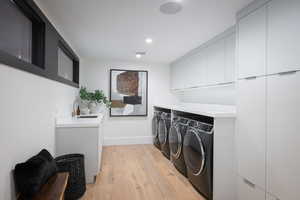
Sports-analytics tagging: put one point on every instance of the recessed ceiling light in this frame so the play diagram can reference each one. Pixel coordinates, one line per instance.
(139, 54)
(148, 40)
(171, 8)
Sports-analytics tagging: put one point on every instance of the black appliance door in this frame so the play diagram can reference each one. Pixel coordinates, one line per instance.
(175, 141)
(155, 126)
(162, 132)
(193, 151)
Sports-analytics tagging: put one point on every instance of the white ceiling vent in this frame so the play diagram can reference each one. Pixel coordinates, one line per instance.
(170, 8)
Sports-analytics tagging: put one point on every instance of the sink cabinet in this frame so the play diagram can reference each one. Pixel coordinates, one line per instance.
(83, 136)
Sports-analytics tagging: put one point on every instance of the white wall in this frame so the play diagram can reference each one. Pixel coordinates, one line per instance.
(129, 130)
(28, 106)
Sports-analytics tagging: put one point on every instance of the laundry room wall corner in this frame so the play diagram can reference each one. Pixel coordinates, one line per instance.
(129, 130)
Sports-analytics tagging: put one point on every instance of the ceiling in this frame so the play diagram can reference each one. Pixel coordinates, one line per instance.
(116, 29)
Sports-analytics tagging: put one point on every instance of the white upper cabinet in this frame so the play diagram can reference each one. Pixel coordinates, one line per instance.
(252, 44)
(178, 76)
(283, 36)
(211, 64)
(196, 72)
(283, 143)
(215, 63)
(230, 58)
(251, 129)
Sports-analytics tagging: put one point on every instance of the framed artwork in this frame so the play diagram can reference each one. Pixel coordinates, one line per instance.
(128, 93)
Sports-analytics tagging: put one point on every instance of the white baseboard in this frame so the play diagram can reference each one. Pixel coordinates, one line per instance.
(111, 141)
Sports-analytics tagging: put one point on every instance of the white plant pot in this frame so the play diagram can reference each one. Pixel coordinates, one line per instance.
(83, 104)
(85, 111)
(96, 108)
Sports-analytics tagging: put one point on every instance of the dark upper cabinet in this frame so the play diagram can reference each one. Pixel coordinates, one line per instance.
(28, 41)
(16, 31)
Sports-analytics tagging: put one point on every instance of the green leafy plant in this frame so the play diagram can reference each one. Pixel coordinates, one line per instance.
(84, 94)
(94, 97)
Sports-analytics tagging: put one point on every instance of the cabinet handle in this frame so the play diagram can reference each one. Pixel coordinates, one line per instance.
(227, 83)
(249, 183)
(288, 72)
(251, 77)
(192, 87)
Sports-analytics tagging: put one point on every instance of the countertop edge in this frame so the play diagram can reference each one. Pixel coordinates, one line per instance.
(214, 114)
(71, 122)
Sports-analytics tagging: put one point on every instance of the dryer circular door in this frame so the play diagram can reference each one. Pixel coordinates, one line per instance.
(162, 131)
(193, 151)
(155, 126)
(175, 141)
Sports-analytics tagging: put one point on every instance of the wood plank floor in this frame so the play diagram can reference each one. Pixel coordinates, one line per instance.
(139, 172)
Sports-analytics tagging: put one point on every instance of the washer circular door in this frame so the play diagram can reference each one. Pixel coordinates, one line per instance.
(175, 141)
(193, 151)
(162, 131)
(155, 126)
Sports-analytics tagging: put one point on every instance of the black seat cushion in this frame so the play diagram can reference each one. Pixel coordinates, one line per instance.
(31, 175)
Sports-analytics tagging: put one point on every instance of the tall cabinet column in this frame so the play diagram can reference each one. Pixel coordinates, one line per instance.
(251, 105)
(268, 137)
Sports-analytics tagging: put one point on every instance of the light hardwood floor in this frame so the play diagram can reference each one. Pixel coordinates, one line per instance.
(139, 172)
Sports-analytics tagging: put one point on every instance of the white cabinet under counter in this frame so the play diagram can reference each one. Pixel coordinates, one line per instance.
(83, 136)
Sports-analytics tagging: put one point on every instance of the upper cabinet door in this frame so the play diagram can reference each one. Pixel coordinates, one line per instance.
(195, 71)
(215, 60)
(252, 44)
(177, 78)
(283, 137)
(251, 129)
(283, 33)
(230, 58)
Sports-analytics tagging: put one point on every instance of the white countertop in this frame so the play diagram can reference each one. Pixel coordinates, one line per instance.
(210, 110)
(74, 122)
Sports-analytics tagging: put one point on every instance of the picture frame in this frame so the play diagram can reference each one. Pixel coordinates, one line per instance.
(128, 93)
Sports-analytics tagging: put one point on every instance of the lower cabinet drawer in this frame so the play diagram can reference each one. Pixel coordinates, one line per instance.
(249, 191)
(269, 197)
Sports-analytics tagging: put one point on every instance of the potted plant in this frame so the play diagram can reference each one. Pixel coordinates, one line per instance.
(95, 101)
(84, 100)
